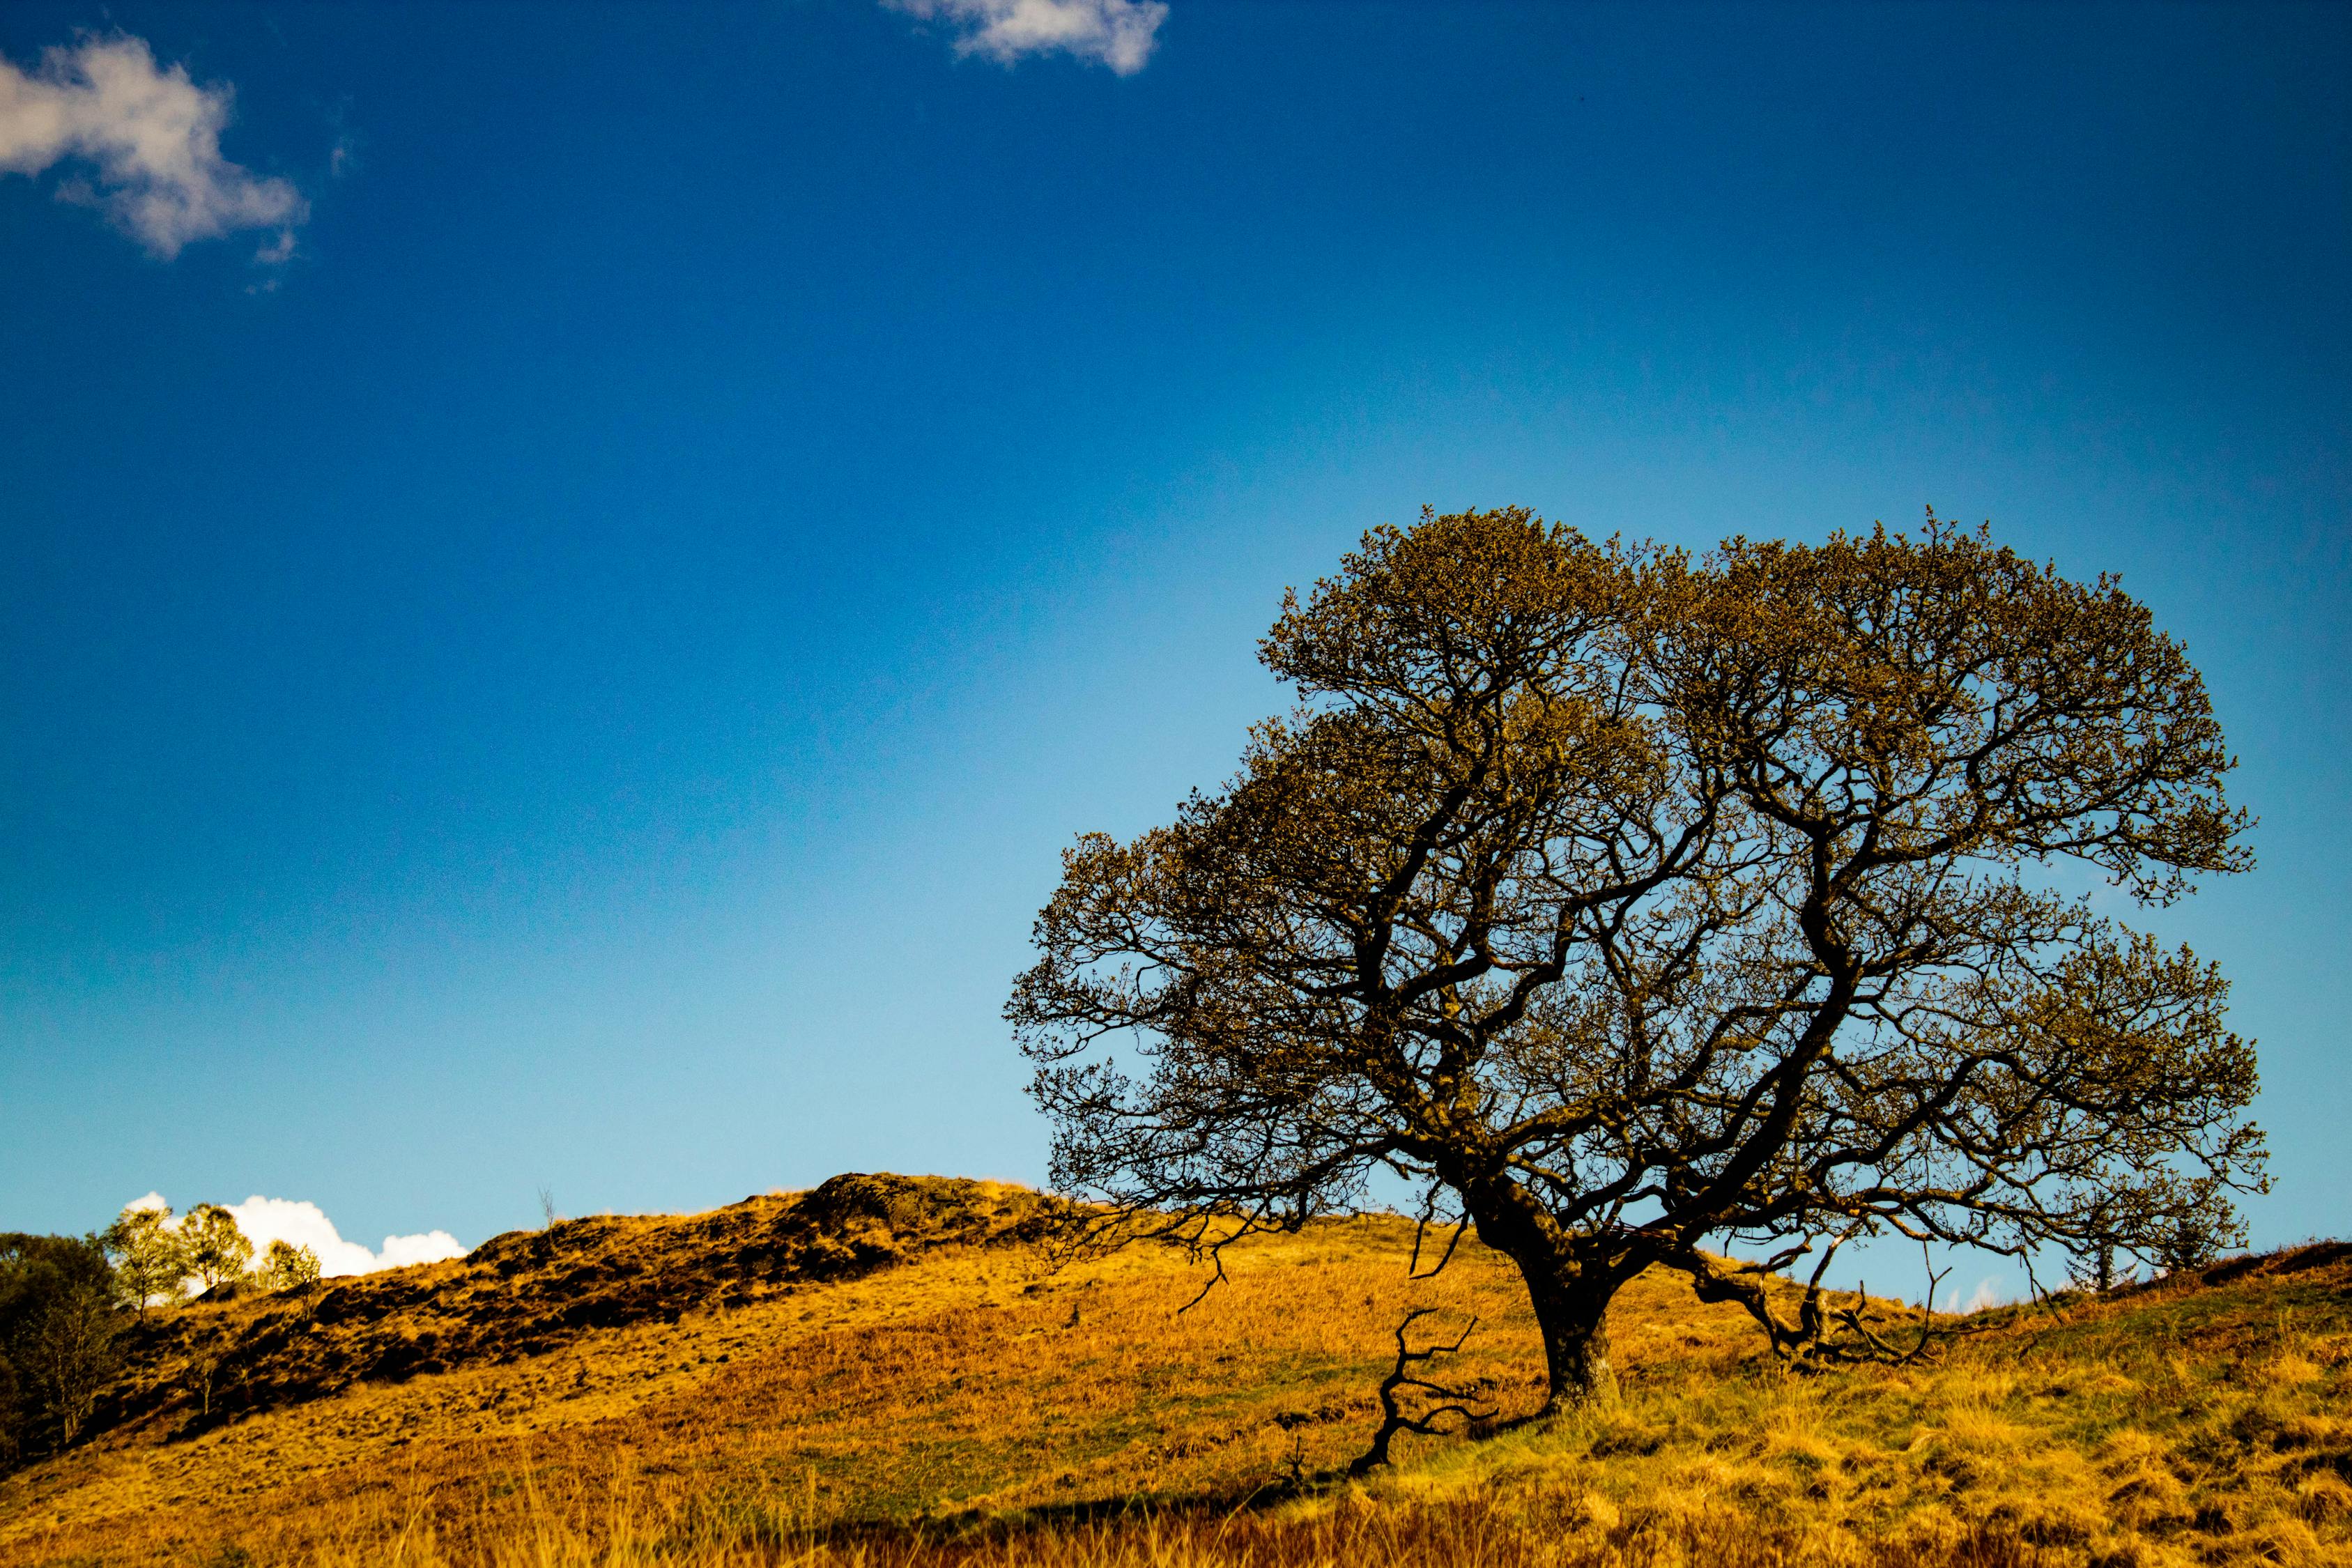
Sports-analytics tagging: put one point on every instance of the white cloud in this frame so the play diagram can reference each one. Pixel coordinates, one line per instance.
(1116, 32)
(1988, 1293)
(265, 1220)
(154, 138)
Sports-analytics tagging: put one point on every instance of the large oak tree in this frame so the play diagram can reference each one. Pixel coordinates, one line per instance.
(1627, 900)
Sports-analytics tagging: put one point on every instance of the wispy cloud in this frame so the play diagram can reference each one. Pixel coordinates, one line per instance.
(299, 1224)
(1119, 34)
(151, 138)
(1988, 1293)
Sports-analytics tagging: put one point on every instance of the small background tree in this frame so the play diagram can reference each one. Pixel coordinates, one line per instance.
(218, 1252)
(1623, 902)
(150, 1258)
(286, 1266)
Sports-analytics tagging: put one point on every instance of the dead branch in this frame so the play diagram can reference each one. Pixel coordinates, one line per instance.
(1431, 1420)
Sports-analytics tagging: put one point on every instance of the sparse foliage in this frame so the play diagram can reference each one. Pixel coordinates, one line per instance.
(286, 1266)
(2094, 1265)
(2191, 1240)
(150, 1258)
(201, 1375)
(72, 1352)
(1627, 900)
(218, 1252)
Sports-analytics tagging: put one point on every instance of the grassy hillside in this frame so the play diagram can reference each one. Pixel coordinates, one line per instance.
(888, 1370)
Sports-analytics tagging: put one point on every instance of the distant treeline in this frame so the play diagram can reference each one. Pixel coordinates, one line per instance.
(66, 1302)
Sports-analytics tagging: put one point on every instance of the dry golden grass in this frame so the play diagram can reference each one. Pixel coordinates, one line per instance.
(974, 1406)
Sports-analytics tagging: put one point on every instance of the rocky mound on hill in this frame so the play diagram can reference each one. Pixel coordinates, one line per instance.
(527, 1293)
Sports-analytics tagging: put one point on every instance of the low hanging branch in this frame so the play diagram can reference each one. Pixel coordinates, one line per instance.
(1813, 1341)
(1867, 1345)
(1431, 1422)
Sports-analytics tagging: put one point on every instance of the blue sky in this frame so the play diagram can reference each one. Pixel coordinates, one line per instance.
(558, 611)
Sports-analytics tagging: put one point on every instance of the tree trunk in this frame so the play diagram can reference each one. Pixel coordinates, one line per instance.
(1575, 1323)
(1571, 1302)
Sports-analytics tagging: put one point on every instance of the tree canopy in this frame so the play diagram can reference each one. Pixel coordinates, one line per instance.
(150, 1258)
(1625, 899)
(216, 1252)
(287, 1267)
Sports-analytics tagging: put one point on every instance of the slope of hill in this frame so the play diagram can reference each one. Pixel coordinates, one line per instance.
(891, 1370)
(532, 1293)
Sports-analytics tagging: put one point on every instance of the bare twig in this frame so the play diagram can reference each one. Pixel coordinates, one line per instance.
(1928, 1308)
(1412, 1269)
